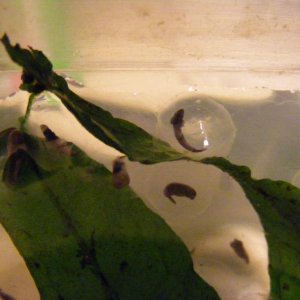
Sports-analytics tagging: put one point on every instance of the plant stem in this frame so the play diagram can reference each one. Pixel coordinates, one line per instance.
(24, 119)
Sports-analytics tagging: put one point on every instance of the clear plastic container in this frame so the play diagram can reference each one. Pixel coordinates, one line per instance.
(142, 60)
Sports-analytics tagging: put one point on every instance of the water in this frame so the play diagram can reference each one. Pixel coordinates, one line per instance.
(255, 127)
(153, 62)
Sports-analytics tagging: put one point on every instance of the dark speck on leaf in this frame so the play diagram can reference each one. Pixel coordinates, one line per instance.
(87, 254)
(285, 287)
(123, 265)
(37, 265)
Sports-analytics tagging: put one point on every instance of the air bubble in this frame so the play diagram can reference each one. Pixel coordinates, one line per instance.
(206, 128)
(192, 88)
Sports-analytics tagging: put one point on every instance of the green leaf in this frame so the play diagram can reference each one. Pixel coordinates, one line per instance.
(33, 61)
(278, 205)
(124, 136)
(83, 239)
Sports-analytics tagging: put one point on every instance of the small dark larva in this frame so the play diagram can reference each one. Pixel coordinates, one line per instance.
(5, 296)
(16, 157)
(178, 122)
(120, 177)
(59, 144)
(48, 133)
(15, 141)
(179, 189)
(239, 250)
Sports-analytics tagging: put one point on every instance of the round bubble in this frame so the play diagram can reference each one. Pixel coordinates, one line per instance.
(203, 127)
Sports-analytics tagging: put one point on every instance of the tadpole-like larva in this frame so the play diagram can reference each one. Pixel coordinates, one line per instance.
(61, 145)
(5, 296)
(179, 189)
(120, 177)
(48, 133)
(17, 157)
(178, 122)
(15, 141)
(239, 250)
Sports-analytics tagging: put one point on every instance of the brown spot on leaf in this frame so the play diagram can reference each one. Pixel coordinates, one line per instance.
(123, 265)
(285, 287)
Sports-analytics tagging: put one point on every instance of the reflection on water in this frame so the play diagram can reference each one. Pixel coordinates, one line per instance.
(71, 81)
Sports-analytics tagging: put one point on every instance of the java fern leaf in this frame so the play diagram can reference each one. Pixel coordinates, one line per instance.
(123, 135)
(278, 205)
(83, 239)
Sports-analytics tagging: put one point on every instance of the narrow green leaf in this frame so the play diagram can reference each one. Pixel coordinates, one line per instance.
(124, 136)
(83, 239)
(278, 205)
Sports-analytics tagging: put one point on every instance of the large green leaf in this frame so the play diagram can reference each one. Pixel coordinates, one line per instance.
(278, 205)
(83, 239)
(128, 138)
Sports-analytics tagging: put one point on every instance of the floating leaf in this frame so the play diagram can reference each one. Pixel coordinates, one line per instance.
(278, 205)
(123, 135)
(81, 238)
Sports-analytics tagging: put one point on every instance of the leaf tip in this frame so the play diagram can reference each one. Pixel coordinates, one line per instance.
(5, 39)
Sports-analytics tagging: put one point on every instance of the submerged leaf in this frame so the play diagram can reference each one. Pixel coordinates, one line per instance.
(83, 239)
(278, 205)
(123, 135)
